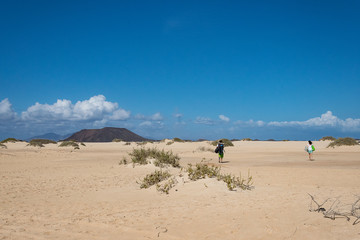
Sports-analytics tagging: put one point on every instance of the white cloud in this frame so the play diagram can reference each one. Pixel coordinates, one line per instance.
(156, 117)
(6, 112)
(224, 118)
(94, 109)
(178, 115)
(325, 120)
(204, 120)
(152, 124)
(120, 114)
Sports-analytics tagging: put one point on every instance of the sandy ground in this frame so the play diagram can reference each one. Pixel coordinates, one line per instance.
(62, 193)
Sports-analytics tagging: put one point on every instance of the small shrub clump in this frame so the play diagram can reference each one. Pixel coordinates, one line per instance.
(10, 140)
(154, 178)
(169, 143)
(165, 187)
(328, 138)
(343, 142)
(117, 140)
(3, 146)
(178, 140)
(40, 142)
(202, 171)
(246, 139)
(70, 144)
(226, 142)
(123, 161)
(162, 158)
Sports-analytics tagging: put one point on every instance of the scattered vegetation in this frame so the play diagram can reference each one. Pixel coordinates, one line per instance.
(70, 143)
(141, 143)
(162, 158)
(117, 140)
(328, 138)
(246, 139)
(127, 143)
(169, 143)
(178, 140)
(123, 161)
(40, 142)
(3, 146)
(343, 142)
(10, 140)
(227, 142)
(205, 149)
(165, 187)
(154, 178)
(201, 171)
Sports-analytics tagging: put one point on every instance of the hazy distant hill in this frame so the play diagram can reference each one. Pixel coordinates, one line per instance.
(50, 136)
(106, 134)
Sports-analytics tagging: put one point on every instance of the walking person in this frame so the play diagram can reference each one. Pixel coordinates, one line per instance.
(310, 149)
(221, 150)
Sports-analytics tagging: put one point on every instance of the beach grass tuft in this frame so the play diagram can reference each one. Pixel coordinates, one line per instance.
(347, 141)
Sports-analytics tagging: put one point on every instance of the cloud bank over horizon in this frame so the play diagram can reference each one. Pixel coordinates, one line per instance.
(96, 112)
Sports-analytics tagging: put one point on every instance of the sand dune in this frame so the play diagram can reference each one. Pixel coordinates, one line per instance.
(62, 193)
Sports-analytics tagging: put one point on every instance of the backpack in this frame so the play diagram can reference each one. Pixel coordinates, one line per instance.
(217, 150)
(313, 148)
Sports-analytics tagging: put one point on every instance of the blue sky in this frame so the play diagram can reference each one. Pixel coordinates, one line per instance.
(188, 69)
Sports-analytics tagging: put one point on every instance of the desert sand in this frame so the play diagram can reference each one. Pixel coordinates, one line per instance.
(62, 193)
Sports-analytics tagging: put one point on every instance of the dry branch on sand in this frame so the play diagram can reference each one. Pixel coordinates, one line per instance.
(336, 209)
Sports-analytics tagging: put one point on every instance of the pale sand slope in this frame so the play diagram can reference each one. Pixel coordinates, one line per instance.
(59, 193)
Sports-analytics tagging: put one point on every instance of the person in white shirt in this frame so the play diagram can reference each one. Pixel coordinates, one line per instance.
(310, 150)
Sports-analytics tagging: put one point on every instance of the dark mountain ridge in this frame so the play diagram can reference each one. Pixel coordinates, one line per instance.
(107, 134)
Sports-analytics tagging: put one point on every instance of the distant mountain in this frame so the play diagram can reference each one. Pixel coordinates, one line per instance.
(50, 136)
(106, 134)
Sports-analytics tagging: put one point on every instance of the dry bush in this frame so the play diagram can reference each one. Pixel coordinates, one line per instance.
(3, 146)
(205, 149)
(10, 140)
(343, 142)
(327, 138)
(226, 142)
(117, 140)
(40, 142)
(169, 143)
(178, 140)
(333, 208)
(166, 186)
(246, 139)
(70, 143)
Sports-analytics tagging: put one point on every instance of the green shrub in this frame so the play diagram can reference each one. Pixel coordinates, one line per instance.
(127, 143)
(178, 140)
(154, 178)
(70, 143)
(165, 188)
(162, 158)
(343, 142)
(202, 171)
(226, 142)
(233, 182)
(3, 146)
(328, 138)
(10, 140)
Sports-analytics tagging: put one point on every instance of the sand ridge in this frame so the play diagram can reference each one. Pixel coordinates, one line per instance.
(62, 193)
